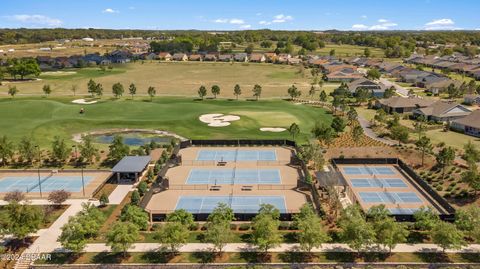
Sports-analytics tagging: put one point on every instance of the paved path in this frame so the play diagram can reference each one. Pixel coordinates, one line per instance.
(243, 247)
(403, 92)
(370, 133)
(117, 195)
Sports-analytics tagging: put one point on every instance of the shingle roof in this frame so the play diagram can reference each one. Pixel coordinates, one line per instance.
(397, 101)
(441, 108)
(472, 120)
(131, 164)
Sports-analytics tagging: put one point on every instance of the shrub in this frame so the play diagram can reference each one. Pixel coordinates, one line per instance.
(194, 227)
(14, 196)
(284, 226)
(135, 199)
(58, 197)
(244, 227)
(142, 188)
(439, 188)
(233, 227)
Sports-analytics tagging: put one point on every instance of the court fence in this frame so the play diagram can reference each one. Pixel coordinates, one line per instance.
(238, 142)
(423, 187)
(160, 215)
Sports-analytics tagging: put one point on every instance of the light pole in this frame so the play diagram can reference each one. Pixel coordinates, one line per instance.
(81, 167)
(38, 170)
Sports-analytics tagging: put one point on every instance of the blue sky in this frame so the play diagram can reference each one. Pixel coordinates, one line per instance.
(243, 14)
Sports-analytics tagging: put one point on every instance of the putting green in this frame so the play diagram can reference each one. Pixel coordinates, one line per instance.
(44, 118)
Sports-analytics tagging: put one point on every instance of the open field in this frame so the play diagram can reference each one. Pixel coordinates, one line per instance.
(44, 118)
(176, 78)
(350, 50)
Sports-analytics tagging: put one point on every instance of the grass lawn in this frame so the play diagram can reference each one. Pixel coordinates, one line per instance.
(175, 78)
(454, 139)
(252, 257)
(45, 118)
(350, 50)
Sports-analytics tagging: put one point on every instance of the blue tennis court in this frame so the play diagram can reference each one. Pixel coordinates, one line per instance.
(368, 170)
(239, 204)
(390, 197)
(378, 183)
(49, 183)
(236, 155)
(403, 211)
(234, 176)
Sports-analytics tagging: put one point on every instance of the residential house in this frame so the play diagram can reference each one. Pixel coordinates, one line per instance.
(181, 57)
(270, 57)
(240, 57)
(377, 89)
(120, 56)
(469, 125)
(440, 84)
(471, 99)
(345, 75)
(210, 57)
(195, 57)
(442, 111)
(225, 58)
(294, 61)
(283, 58)
(257, 58)
(164, 56)
(149, 56)
(402, 105)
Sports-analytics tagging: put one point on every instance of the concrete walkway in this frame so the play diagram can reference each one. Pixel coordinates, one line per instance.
(403, 92)
(243, 247)
(370, 133)
(117, 195)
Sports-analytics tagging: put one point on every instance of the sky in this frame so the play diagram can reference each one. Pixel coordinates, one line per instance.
(243, 14)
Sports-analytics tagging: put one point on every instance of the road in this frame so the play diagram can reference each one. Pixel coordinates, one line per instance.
(403, 92)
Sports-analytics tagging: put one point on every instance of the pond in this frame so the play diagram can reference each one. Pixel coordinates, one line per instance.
(132, 139)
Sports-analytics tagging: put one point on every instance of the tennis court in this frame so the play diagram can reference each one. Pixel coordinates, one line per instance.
(390, 197)
(378, 183)
(368, 170)
(236, 155)
(48, 183)
(239, 204)
(234, 176)
(403, 211)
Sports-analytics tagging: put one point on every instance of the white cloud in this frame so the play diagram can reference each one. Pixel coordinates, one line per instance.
(245, 26)
(359, 27)
(382, 20)
(264, 23)
(381, 26)
(221, 20)
(109, 10)
(441, 24)
(259, 14)
(236, 21)
(280, 18)
(36, 20)
(363, 16)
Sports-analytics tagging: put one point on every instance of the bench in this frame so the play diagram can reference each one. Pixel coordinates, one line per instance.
(247, 188)
(221, 163)
(215, 188)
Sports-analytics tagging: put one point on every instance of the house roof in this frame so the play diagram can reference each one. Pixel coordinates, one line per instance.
(131, 164)
(361, 82)
(441, 108)
(397, 102)
(256, 57)
(164, 54)
(472, 120)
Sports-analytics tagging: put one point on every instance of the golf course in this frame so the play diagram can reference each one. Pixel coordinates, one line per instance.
(44, 118)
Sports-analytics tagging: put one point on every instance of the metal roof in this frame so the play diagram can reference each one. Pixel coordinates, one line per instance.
(131, 164)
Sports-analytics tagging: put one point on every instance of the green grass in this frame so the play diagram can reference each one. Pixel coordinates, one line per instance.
(45, 118)
(350, 51)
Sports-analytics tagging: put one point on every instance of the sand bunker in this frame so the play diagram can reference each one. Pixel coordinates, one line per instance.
(218, 120)
(83, 102)
(58, 73)
(273, 129)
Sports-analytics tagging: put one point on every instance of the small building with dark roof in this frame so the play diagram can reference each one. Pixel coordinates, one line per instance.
(130, 168)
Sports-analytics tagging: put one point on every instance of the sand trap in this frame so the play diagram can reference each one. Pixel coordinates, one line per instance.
(218, 120)
(273, 129)
(56, 73)
(83, 102)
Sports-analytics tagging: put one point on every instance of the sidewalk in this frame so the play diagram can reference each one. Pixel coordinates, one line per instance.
(370, 133)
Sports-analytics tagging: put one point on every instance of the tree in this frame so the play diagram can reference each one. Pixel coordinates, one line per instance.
(88, 150)
(27, 149)
(73, 236)
(60, 150)
(362, 95)
(117, 149)
(12, 91)
(355, 230)
(470, 153)
(121, 236)
(445, 158)
(182, 216)
(399, 133)
(104, 199)
(151, 92)
(420, 125)
(323, 96)
(367, 53)
(338, 124)
(23, 67)
(92, 87)
(58, 197)
(237, 91)
(135, 215)
(215, 90)
(294, 130)
(249, 49)
(117, 90)
(142, 187)
(293, 92)
(380, 116)
(447, 236)
(425, 218)
(311, 234)
(468, 221)
(323, 133)
(265, 234)
(352, 115)
(91, 219)
(266, 44)
(135, 199)
(132, 89)
(14, 196)
(202, 92)
(257, 91)
(6, 150)
(388, 232)
(74, 89)
(389, 92)
(471, 177)
(357, 132)
(218, 227)
(47, 90)
(172, 236)
(22, 219)
(424, 144)
(373, 74)
(332, 52)
(311, 92)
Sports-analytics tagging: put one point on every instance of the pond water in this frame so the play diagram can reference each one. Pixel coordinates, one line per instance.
(132, 139)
